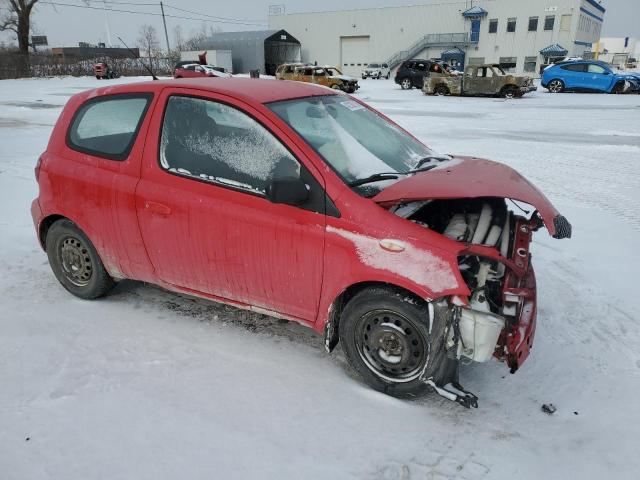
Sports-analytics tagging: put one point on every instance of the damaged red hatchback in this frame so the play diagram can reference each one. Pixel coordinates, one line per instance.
(302, 203)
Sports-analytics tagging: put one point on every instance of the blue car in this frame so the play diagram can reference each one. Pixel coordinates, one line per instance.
(586, 76)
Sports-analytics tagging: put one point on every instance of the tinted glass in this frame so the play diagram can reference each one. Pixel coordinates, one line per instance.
(493, 26)
(107, 127)
(214, 142)
(580, 67)
(533, 24)
(511, 25)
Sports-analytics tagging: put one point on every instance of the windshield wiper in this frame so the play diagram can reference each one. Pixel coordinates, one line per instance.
(428, 159)
(376, 177)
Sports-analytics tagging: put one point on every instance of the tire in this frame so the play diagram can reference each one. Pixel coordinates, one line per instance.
(388, 76)
(618, 88)
(75, 262)
(555, 86)
(335, 86)
(383, 316)
(441, 90)
(509, 92)
(406, 84)
(97, 77)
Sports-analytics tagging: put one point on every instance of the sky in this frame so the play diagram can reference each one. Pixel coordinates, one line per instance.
(66, 26)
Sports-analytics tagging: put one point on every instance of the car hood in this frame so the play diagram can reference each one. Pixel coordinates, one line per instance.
(469, 177)
(346, 78)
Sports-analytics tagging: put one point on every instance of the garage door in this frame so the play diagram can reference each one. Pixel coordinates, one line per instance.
(354, 54)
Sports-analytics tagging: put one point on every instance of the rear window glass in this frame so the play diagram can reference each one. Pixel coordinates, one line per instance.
(107, 126)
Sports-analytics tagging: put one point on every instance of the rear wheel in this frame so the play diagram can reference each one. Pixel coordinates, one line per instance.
(556, 86)
(441, 90)
(406, 84)
(385, 337)
(75, 262)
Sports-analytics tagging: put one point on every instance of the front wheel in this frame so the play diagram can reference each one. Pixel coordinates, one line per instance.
(335, 86)
(75, 262)
(406, 84)
(385, 337)
(556, 86)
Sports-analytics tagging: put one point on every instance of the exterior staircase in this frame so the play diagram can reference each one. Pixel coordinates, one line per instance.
(430, 40)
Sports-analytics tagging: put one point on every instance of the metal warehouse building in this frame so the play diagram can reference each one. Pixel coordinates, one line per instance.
(260, 50)
(521, 35)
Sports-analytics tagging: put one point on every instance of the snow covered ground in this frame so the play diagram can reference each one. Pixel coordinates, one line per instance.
(146, 384)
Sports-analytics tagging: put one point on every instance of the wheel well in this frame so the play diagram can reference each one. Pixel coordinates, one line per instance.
(45, 225)
(442, 85)
(509, 85)
(335, 312)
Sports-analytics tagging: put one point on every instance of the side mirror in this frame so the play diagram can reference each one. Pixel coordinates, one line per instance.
(287, 190)
(606, 72)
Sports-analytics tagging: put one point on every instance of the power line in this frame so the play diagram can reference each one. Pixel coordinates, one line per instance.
(206, 15)
(118, 10)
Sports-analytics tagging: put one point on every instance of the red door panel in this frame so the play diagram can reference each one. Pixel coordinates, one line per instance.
(229, 243)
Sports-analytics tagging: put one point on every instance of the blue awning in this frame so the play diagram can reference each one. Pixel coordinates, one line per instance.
(452, 51)
(474, 12)
(554, 50)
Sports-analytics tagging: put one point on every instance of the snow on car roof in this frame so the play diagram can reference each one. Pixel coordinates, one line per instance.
(249, 89)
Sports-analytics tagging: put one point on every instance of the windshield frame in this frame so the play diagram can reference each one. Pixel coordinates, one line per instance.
(324, 160)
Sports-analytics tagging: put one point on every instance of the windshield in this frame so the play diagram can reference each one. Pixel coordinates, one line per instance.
(333, 71)
(352, 139)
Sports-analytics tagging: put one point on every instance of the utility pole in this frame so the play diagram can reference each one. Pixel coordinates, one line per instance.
(106, 23)
(164, 22)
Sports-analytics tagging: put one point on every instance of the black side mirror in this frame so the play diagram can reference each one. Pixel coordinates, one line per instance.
(287, 190)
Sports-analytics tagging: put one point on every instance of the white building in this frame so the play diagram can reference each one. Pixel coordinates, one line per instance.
(520, 34)
(617, 50)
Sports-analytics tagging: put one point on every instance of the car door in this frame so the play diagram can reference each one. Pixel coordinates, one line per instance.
(418, 72)
(598, 77)
(205, 220)
(574, 75)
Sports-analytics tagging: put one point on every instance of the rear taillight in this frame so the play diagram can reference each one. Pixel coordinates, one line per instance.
(37, 169)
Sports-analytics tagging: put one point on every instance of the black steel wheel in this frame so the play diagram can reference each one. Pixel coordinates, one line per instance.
(509, 92)
(384, 334)
(75, 262)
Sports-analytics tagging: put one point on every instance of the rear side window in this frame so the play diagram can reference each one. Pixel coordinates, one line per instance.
(107, 126)
(576, 67)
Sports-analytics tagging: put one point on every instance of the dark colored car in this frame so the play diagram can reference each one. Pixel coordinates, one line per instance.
(411, 73)
(303, 203)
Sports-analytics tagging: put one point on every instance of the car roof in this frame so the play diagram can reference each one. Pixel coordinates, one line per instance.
(248, 89)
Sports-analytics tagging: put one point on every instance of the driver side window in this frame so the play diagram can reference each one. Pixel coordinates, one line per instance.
(214, 142)
(596, 69)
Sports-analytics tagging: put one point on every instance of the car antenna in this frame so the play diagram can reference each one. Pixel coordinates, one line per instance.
(133, 55)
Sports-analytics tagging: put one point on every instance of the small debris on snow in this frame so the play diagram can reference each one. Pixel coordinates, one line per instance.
(549, 408)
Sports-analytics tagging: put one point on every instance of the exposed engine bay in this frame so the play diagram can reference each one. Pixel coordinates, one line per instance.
(498, 318)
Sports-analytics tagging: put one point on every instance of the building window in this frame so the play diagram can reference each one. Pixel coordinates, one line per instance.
(511, 25)
(533, 24)
(549, 21)
(530, 64)
(476, 60)
(493, 25)
(508, 64)
(565, 23)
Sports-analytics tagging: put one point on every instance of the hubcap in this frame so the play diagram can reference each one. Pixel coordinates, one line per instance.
(406, 83)
(555, 86)
(391, 346)
(76, 262)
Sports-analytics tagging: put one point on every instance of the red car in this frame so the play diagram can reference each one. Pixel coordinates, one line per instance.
(195, 70)
(301, 203)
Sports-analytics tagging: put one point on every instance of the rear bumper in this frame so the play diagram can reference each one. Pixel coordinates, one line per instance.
(36, 215)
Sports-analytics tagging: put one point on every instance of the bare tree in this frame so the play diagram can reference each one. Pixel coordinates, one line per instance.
(148, 40)
(18, 20)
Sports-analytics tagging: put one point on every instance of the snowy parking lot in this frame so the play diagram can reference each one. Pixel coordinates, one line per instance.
(147, 384)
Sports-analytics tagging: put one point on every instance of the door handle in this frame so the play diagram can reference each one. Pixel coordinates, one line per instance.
(157, 208)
